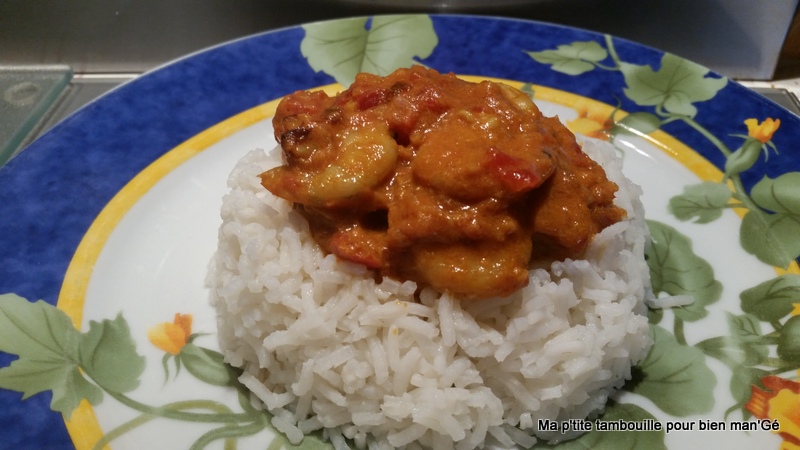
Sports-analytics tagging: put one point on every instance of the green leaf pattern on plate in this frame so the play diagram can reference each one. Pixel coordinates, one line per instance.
(764, 341)
(54, 355)
(49, 351)
(388, 43)
(572, 59)
(674, 376)
(108, 355)
(772, 300)
(704, 202)
(677, 270)
(774, 237)
(674, 88)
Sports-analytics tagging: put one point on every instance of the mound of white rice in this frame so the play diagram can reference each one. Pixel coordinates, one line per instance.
(324, 346)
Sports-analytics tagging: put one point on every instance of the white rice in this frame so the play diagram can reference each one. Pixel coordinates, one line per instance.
(323, 346)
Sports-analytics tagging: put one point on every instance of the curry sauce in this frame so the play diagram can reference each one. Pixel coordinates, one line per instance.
(424, 176)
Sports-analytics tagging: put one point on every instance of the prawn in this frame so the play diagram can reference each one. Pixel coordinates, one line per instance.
(363, 157)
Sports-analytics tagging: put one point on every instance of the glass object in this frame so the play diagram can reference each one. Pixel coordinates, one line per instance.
(26, 94)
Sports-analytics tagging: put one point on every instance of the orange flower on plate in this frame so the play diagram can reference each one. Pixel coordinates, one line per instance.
(591, 123)
(780, 400)
(171, 337)
(762, 131)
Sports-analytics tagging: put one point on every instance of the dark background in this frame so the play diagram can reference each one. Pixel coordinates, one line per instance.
(738, 38)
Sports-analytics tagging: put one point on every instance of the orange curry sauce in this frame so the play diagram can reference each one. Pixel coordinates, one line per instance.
(427, 177)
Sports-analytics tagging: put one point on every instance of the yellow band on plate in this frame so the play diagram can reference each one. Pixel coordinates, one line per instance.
(83, 426)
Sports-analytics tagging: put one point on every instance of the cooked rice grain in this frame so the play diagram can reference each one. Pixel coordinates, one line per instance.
(324, 346)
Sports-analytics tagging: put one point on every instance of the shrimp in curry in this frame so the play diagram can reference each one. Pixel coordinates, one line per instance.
(423, 176)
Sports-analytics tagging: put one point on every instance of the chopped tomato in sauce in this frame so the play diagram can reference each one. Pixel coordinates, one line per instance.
(453, 184)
